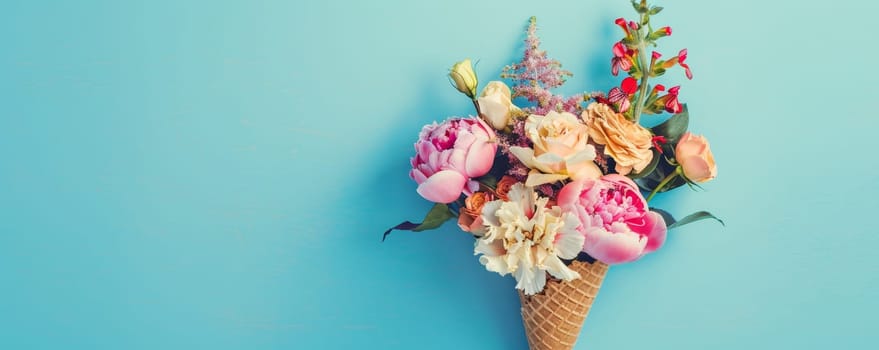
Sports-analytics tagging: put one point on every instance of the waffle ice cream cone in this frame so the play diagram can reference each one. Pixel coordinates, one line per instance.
(553, 318)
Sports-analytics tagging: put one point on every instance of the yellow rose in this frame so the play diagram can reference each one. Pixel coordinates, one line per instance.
(694, 155)
(625, 141)
(464, 77)
(561, 149)
(496, 104)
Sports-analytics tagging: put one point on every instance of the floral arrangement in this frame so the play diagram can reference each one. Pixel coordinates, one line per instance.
(557, 188)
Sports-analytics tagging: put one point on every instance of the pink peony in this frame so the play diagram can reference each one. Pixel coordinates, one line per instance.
(614, 218)
(450, 155)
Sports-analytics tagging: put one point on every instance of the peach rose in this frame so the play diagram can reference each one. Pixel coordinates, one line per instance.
(470, 217)
(625, 141)
(561, 149)
(694, 155)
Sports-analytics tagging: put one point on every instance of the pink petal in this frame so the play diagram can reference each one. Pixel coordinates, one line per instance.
(471, 187)
(486, 130)
(656, 233)
(480, 158)
(426, 169)
(624, 105)
(457, 160)
(619, 50)
(696, 168)
(569, 196)
(465, 139)
(424, 149)
(417, 175)
(620, 179)
(614, 248)
(442, 187)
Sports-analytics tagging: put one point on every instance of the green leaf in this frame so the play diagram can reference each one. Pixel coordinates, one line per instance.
(649, 168)
(700, 215)
(674, 127)
(437, 215)
(663, 169)
(637, 6)
(655, 9)
(488, 180)
(693, 185)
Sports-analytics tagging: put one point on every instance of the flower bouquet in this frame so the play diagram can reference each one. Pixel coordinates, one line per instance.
(556, 189)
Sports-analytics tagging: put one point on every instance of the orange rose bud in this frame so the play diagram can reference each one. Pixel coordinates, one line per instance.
(503, 187)
(470, 217)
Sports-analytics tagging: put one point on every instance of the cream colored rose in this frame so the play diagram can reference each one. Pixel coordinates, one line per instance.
(694, 155)
(561, 149)
(626, 142)
(464, 77)
(496, 104)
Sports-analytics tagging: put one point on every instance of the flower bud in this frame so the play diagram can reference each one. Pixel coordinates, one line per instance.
(496, 105)
(464, 78)
(694, 154)
(659, 33)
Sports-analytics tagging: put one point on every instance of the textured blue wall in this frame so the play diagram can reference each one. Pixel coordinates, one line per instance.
(183, 175)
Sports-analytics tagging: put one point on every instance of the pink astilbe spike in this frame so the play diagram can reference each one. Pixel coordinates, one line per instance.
(536, 74)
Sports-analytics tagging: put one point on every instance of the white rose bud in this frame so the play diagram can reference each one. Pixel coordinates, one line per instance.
(464, 78)
(496, 105)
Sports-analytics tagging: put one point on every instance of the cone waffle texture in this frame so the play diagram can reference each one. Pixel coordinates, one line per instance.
(554, 317)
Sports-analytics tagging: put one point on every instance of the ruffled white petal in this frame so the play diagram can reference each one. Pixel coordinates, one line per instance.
(526, 239)
(557, 269)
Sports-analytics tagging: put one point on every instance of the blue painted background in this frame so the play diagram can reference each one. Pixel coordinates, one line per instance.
(203, 175)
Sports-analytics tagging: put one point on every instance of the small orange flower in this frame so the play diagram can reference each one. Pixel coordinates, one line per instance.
(470, 217)
(503, 187)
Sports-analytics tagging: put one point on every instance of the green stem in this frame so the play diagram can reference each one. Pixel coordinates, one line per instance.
(664, 182)
(478, 110)
(645, 73)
